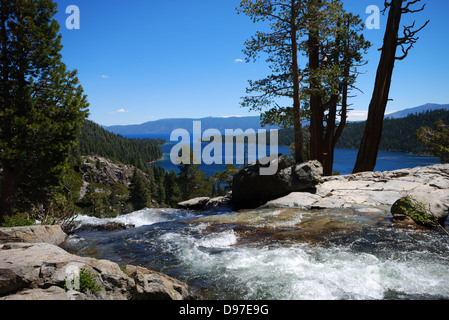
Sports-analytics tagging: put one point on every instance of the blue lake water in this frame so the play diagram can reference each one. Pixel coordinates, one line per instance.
(344, 159)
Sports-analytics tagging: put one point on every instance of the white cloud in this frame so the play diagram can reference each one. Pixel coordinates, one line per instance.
(104, 76)
(239, 61)
(119, 111)
(235, 116)
(358, 115)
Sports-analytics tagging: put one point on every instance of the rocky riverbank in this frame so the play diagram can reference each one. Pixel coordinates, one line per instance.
(374, 189)
(303, 187)
(33, 266)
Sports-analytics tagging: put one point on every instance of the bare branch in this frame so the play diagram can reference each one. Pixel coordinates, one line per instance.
(386, 6)
(407, 10)
(409, 39)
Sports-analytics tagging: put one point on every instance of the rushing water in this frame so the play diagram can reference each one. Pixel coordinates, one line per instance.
(278, 254)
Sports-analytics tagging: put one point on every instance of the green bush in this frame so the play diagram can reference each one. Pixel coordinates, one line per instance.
(17, 221)
(87, 282)
(417, 212)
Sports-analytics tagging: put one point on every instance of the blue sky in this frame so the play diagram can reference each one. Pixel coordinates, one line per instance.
(143, 60)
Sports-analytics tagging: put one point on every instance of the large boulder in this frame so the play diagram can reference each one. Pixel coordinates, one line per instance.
(251, 189)
(39, 271)
(33, 234)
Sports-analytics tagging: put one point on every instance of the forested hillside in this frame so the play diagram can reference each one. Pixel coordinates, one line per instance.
(94, 140)
(398, 135)
(111, 175)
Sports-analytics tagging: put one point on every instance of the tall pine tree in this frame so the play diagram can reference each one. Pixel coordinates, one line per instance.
(369, 147)
(42, 105)
(139, 193)
(311, 47)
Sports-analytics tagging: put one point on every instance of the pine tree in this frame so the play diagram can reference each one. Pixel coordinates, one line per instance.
(172, 191)
(436, 139)
(42, 105)
(281, 46)
(334, 48)
(139, 194)
(369, 147)
(330, 39)
(191, 180)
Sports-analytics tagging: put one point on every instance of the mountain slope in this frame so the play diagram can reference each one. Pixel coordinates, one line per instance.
(417, 110)
(168, 125)
(95, 140)
(398, 135)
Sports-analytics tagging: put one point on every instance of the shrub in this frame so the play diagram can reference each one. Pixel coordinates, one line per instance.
(87, 282)
(417, 212)
(18, 220)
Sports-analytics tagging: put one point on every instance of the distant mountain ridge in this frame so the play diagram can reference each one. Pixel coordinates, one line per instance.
(236, 122)
(417, 110)
(168, 125)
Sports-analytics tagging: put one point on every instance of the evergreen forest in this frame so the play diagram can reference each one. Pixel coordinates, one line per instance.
(399, 135)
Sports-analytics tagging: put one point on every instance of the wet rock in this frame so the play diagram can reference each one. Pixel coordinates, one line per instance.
(250, 189)
(219, 202)
(205, 203)
(194, 204)
(302, 200)
(113, 226)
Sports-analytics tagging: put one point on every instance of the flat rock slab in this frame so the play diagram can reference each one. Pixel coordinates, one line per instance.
(33, 234)
(371, 189)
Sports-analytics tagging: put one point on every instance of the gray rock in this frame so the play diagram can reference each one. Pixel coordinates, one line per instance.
(33, 234)
(376, 190)
(107, 173)
(302, 200)
(36, 271)
(151, 285)
(194, 204)
(219, 202)
(329, 202)
(423, 204)
(53, 293)
(250, 189)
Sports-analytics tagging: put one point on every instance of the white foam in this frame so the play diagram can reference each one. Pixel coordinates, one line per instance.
(304, 272)
(137, 219)
(220, 240)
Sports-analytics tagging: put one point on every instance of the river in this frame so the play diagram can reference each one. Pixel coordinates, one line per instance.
(280, 254)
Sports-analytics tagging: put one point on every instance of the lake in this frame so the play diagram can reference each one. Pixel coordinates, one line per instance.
(344, 159)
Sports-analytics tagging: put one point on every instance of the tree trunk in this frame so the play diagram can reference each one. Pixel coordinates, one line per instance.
(316, 107)
(299, 136)
(328, 142)
(8, 192)
(369, 148)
